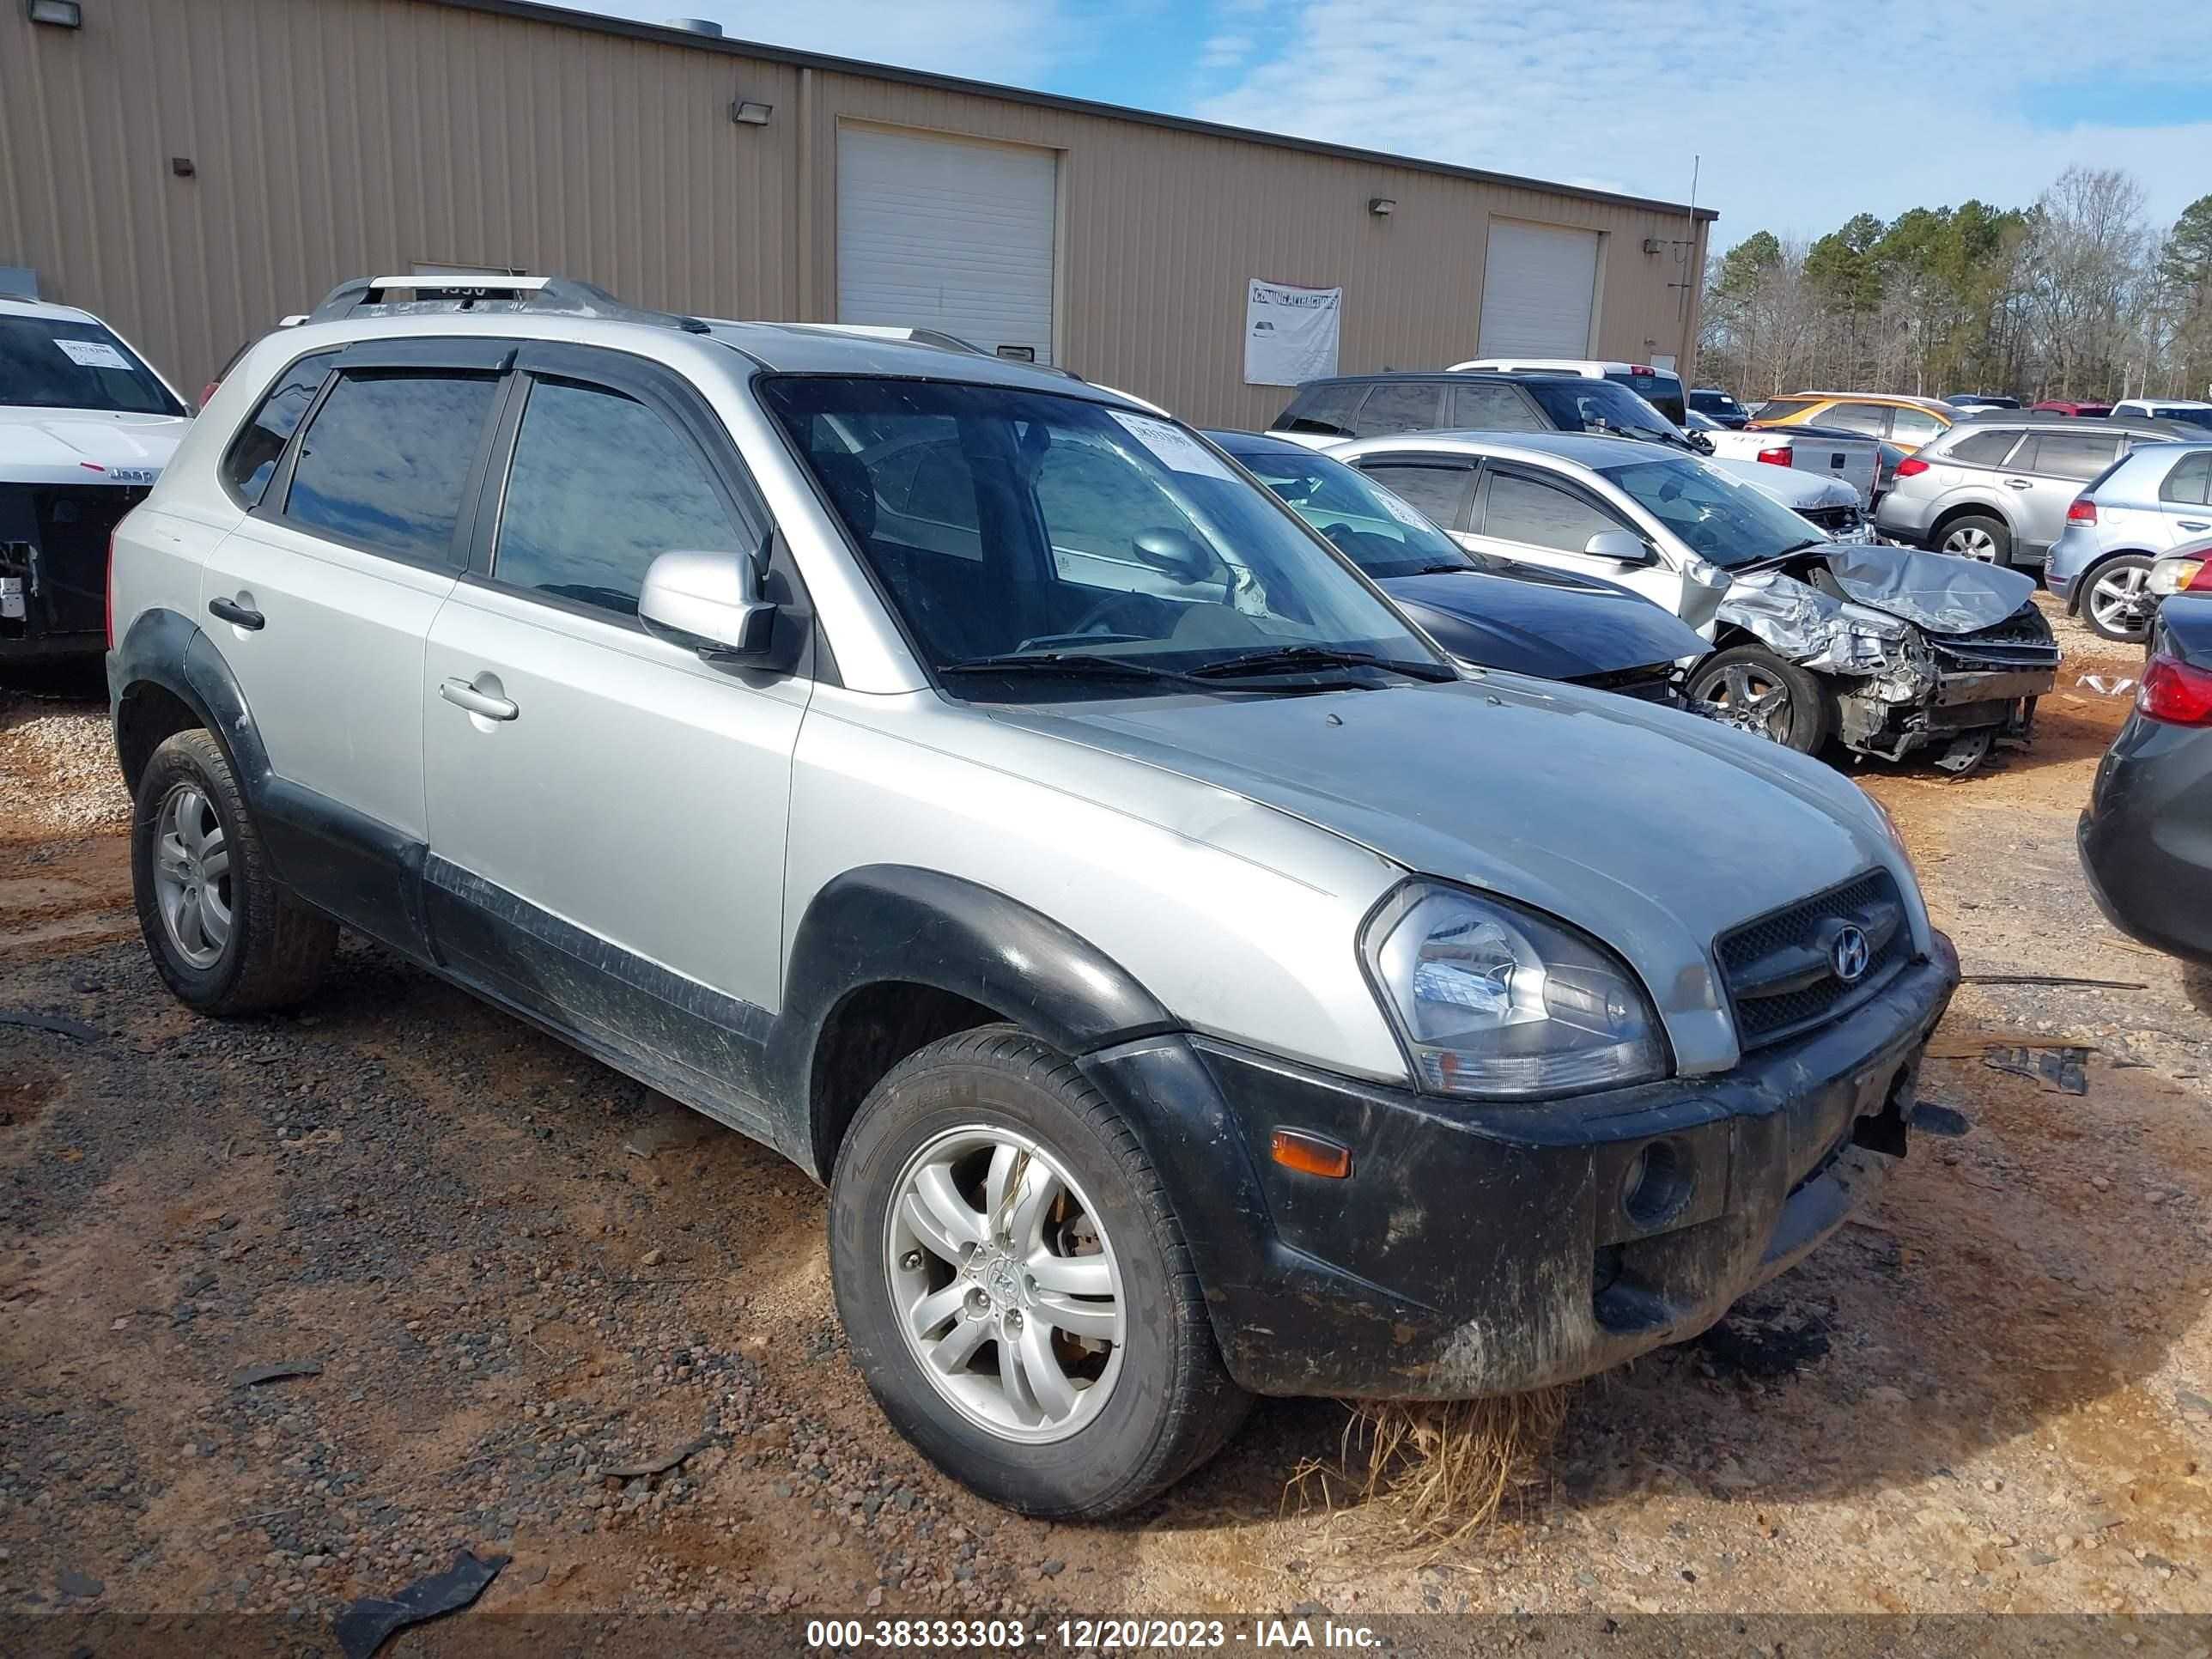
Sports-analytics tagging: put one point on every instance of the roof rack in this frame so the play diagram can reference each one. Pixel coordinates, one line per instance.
(435, 291)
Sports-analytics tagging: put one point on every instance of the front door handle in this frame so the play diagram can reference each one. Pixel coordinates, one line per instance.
(237, 615)
(462, 694)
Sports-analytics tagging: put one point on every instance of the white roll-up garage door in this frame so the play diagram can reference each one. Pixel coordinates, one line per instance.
(1539, 287)
(939, 233)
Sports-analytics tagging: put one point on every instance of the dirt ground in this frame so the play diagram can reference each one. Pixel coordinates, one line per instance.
(1991, 1392)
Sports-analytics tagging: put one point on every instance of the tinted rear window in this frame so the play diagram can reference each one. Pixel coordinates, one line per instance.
(387, 459)
(1663, 391)
(1775, 408)
(1489, 406)
(2069, 455)
(1401, 406)
(1982, 448)
(1325, 406)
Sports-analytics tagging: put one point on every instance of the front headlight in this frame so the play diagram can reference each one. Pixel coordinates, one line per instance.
(2170, 577)
(1499, 1003)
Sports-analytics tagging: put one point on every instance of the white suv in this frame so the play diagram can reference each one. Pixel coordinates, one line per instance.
(979, 788)
(86, 425)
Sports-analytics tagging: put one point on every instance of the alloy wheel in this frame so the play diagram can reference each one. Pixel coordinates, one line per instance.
(1750, 701)
(2119, 598)
(191, 875)
(1005, 1285)
(1973, 541)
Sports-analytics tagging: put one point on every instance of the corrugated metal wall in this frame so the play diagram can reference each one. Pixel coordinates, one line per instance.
(334, 138)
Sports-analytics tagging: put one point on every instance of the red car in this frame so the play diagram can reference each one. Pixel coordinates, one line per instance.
(2060, 406)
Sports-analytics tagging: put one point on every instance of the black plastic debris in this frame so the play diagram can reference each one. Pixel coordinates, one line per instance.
(370, 1623)
(61, 1025)
(1930, 1119)
(2063, 1069)
(251, 1375)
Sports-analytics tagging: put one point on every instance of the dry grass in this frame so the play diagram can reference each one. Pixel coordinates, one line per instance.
(1435, 1470)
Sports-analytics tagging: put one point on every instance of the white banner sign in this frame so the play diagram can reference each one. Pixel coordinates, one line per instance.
(1289, 333)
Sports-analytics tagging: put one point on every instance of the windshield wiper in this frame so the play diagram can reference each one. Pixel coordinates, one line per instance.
(1298, 658)
(1079, 663)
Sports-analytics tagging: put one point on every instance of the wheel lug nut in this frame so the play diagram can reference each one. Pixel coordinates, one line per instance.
(979, 1303)
(1013, 1319)
(911, 1260)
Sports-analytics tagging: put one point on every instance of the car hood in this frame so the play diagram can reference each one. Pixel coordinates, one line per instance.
(1651, 830)
(1939, 591)
(85, 445)
(1552, 625)
(1793, 489)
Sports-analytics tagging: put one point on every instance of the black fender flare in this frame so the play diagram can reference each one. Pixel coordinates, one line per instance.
(883, 923)
(167, 649)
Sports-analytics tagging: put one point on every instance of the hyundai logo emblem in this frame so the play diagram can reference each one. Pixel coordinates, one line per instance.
(1849, 953)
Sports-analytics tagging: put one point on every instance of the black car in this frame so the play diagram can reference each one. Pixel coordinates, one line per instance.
(1476, 400)
(2144, 841)
(1493, 613)
(1716, 405)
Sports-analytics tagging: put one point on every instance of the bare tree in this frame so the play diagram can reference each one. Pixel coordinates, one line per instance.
(2088, 266)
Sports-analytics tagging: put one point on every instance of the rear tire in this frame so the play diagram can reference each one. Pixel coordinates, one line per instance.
(1760, 692)
(2116, 600)
(1034, 1438)
(1978, 536)
(225, 937)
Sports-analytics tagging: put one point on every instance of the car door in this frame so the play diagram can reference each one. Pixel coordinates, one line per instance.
(354, 473)
(607, 810)
(2184, 498)
(1910, 428)
(2045, 474)
(1544, 518)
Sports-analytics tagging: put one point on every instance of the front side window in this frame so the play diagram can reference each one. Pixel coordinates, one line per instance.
(1382, 530)
(2190, 482)
(600, 487)
(259, 446)
(1604, 406)
(2064, 455)
(52, 362)
(1537, 513)
(1400, 406)
(1112, 547)
(386, 460)
(1730, 523)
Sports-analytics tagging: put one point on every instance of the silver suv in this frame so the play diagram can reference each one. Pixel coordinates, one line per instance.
(2144, 507)
(977, 787)
(1997, 487)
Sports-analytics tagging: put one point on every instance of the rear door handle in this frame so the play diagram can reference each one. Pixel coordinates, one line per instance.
(237, 615)
(2019, 483)
(2196, 524)
(462, 694)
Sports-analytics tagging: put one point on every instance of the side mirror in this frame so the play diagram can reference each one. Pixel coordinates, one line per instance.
(709, 603)
(1621, 546)
(1173, 552)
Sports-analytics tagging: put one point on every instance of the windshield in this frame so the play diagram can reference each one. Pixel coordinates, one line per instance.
(1663, 392)
(1002, 523)
(1382, 534)
(1604, 407)
(1730, 523)
(52, 362)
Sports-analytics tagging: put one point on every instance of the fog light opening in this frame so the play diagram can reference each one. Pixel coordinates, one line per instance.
(1657, 1186)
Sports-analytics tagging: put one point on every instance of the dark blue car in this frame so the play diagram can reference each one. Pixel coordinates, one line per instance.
(1493, 613)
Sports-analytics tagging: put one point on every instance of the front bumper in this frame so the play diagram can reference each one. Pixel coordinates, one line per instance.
(1479, 1250)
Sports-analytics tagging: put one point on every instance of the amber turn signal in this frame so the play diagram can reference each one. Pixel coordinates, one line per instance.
(1310, 1154)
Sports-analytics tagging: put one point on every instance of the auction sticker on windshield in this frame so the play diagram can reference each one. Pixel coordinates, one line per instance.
(1174, 447)
(93, 354)
(1398, 510)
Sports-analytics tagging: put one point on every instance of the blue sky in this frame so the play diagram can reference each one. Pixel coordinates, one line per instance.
(1803, 115)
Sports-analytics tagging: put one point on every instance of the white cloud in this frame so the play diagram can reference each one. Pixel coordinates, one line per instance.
(1803, 115)
(1225, 51)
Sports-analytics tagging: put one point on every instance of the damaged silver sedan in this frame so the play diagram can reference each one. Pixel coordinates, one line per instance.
(1885, 650)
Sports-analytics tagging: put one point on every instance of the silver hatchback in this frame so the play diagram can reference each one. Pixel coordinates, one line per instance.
(1998, 489)
(2144, 507)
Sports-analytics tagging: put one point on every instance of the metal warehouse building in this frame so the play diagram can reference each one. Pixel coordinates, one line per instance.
(194, 169)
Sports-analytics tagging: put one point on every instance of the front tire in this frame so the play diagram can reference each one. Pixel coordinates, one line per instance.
(1754, 690)
(1977, 536)
(1015, 1287)
(225, 937)
(2116, 599)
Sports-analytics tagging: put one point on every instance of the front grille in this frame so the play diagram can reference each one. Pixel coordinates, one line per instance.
(1776, 971)
(1835, 520)
(54, 538)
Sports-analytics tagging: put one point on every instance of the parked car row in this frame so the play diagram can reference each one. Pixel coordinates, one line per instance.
(1103, 856)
